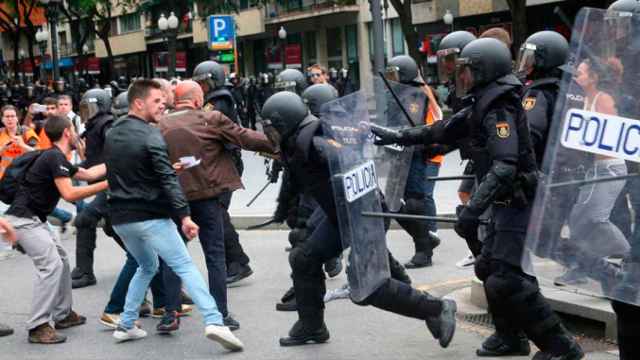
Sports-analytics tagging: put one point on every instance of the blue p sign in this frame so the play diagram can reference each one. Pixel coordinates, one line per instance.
(221, 27)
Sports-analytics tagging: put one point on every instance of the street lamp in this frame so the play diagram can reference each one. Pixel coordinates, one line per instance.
(52, 17)
(282, 34)
(21, 56)
(169, 27)
(41, 37)
(448, 19)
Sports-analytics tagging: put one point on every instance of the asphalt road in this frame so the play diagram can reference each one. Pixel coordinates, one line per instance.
(356, 332)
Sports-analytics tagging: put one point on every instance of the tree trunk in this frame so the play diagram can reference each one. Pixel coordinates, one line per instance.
(519, 20)
(411, 35)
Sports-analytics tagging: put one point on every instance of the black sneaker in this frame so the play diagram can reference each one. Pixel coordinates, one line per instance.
(76, 273)
(170, 322)
(231, 323)
(290, 305)
(84, 281)
(5, 330)
(237, 272)
(501, 345)
(447, 322)
(300, 335)
(419, 260)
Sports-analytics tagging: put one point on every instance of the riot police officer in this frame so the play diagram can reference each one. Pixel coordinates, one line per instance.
(211, 77)
(120, 105)
(505, 166)
(417, 196)
(448, 51)
(288, 123)
(95, 112)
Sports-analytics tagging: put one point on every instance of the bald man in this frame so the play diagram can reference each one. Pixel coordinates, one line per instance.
(196, 139)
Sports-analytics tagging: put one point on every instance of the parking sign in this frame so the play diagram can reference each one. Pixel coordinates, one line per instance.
(222, 32)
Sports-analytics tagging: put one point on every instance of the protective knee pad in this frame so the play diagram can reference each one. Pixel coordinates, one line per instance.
(297, 236)
(481, 268)
(304, 265)
(86, 219)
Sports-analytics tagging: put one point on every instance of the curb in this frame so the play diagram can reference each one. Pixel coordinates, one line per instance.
(243, 222)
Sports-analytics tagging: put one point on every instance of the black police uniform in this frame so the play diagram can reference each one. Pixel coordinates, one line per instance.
(222, 100)
(304, 156)
(87, 220)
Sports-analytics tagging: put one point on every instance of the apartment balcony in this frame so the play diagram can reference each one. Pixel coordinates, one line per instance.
(283, 11)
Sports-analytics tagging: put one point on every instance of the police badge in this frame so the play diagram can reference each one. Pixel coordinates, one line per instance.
(529, 103)
(503, 130)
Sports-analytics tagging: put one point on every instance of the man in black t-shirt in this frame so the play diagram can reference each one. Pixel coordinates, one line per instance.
(46, 180)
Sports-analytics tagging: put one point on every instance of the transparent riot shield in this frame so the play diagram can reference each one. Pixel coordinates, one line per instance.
(394, 161)
(350, 150)
(575, 239)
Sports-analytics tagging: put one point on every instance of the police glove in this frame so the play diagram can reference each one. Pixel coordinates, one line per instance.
(385, 136)
(468, 221)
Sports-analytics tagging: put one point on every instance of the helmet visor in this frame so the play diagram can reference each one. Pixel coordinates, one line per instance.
(271, 133)
(282, 85)
(392, 73)
(526, 60)
(447, 64)
(88, 109)
(464, 77)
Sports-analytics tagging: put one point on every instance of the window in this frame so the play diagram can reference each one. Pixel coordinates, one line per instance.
(310, 47)
(334, 47)
(113, 26)
(397, 37)
(129, 23)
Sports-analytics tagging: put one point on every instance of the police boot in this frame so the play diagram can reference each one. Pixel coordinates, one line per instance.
(288, 301)
(505, 345)
(575, 353)
(443, 327)
(419, 233)
(397, 270)
(310, 328)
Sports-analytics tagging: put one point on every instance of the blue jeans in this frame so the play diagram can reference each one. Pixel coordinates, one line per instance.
(430, 170)
(146, 240)
(63, 215)
(119, 292)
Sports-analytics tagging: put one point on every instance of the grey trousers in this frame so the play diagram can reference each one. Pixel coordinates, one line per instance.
(52, 289)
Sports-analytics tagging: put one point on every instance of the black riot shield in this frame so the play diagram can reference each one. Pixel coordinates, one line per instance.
(354, 179)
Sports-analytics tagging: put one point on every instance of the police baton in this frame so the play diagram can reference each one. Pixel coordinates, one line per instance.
(447, 178)
(264, 224)
(259, 193)
(441, 219)
(396, 98)
(593, 181)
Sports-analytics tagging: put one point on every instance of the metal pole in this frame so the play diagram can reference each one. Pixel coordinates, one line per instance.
(43, 71)
(172, 53)
(378, 56)
(53, 19)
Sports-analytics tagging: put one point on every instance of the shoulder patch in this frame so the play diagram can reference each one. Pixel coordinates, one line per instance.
(529, 103)
(413, 108)
(503, 130)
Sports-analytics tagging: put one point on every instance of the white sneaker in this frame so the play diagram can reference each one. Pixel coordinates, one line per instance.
(222, 334)
(467, 261)
(122, 334)
(342, 292)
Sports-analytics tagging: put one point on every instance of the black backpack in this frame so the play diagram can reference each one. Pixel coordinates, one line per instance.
(15, 175)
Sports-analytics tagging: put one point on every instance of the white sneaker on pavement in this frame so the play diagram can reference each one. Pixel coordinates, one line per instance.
(223, 336)
(469, 260)
(121, 334)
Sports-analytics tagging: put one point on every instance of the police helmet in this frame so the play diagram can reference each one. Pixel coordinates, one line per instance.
(317, 95)
(449, 50)
(93, 103)
(210, 73)
(625, 6)
(542, 51)
(120, 104)
(481, 62)
(281, 114)
(403, 69)
(290, 80)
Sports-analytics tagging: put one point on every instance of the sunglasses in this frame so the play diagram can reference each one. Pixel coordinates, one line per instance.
(316, 74)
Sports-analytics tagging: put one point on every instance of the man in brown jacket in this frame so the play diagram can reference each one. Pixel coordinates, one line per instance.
(196, 139)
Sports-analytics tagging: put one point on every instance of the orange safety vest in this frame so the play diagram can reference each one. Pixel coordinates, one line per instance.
(44, 142)
(13, 150)
(434, 113)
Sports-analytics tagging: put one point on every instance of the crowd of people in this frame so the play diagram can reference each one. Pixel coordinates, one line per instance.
(161, 159)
